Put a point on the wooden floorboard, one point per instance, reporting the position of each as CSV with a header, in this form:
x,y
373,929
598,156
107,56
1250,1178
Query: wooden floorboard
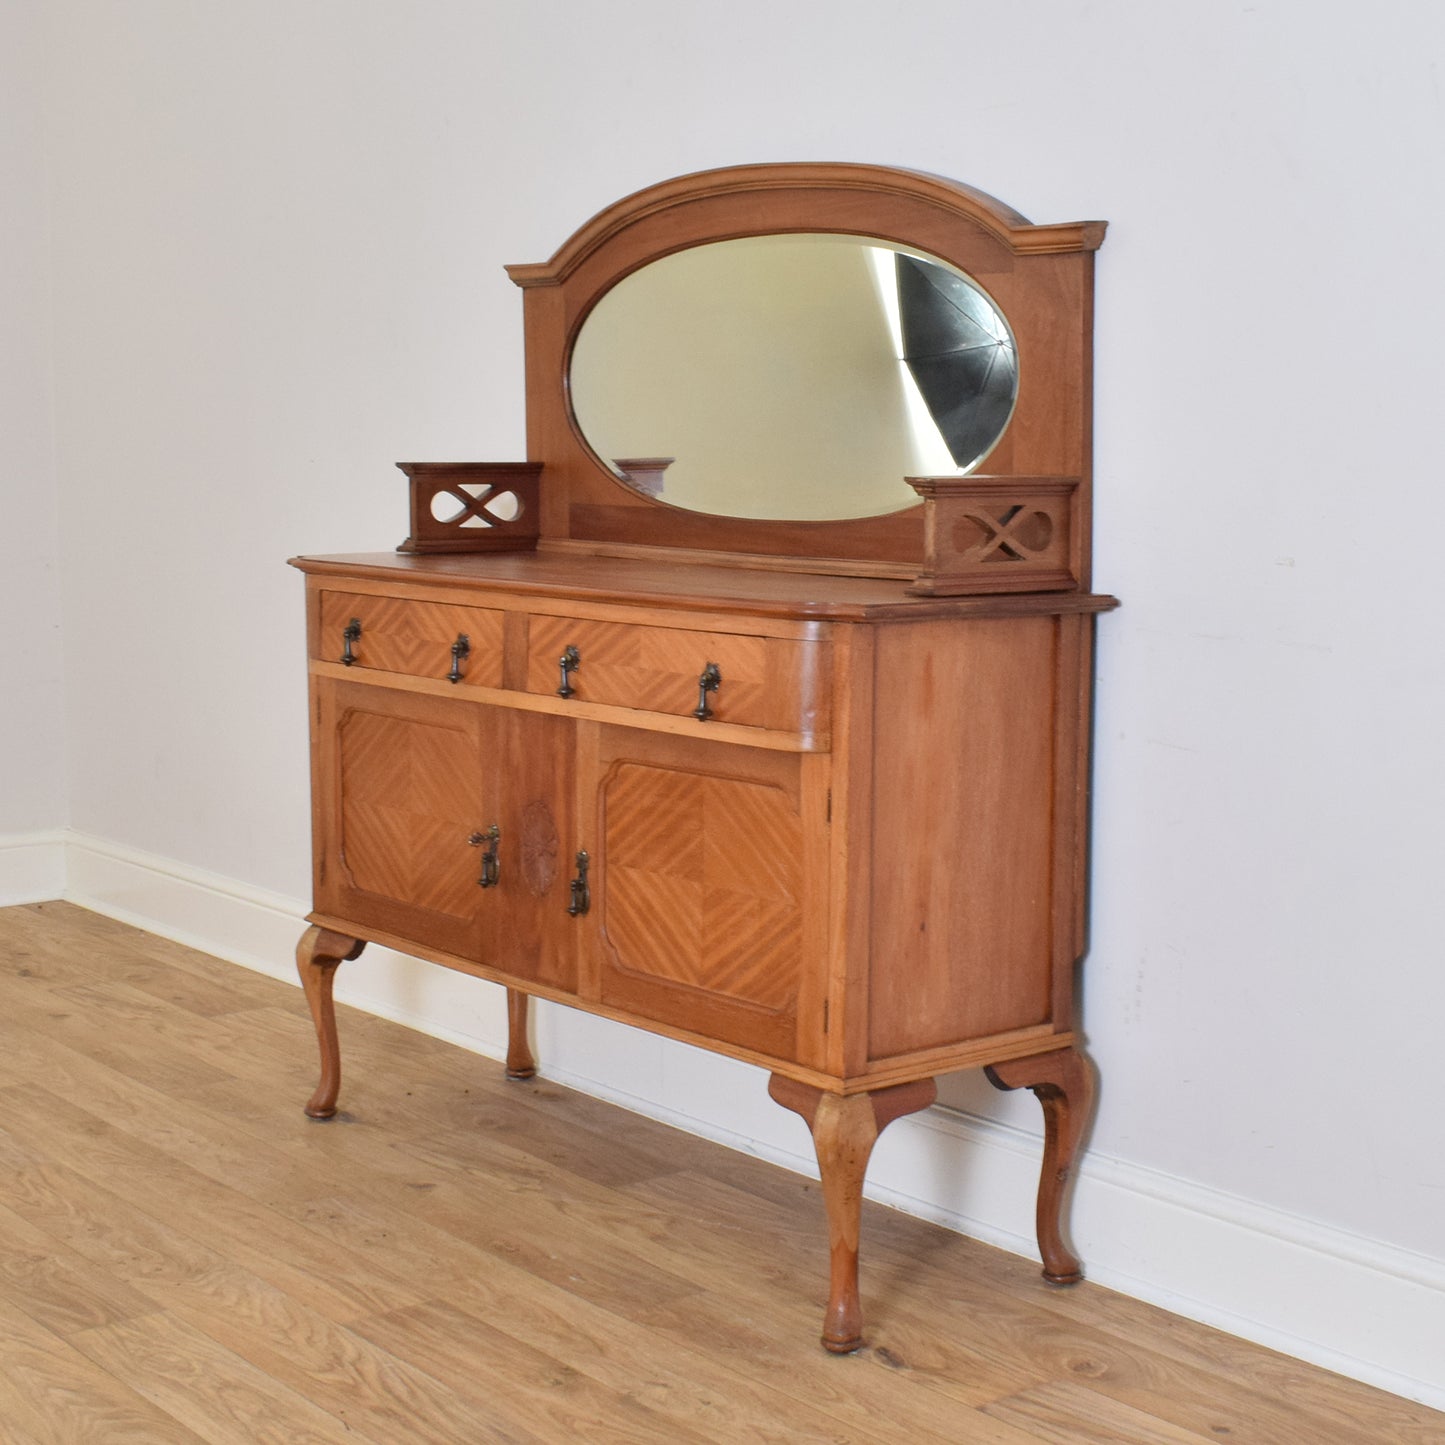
x,y
185,1257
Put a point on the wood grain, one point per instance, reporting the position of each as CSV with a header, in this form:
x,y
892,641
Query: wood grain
x,y
695,592
403,635
961,943
1041,277
183,1372
1068,1414
400,788
766,682
184,1257
52,1392
844,1130
1063,1082
699,886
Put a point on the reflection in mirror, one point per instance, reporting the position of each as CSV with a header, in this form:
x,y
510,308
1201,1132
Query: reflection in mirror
x,y
960,354
792,376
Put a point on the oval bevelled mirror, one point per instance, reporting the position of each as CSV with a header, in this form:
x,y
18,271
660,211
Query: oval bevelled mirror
x,y
797,376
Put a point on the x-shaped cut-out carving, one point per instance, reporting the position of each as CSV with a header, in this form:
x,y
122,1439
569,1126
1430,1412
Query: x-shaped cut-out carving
x,y
1002,534
475,509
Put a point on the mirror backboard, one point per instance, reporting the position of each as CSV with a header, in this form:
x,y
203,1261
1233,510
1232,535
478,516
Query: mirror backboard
x,y
620,479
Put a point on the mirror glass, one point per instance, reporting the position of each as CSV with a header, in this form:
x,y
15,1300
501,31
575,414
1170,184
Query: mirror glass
x,y
793,377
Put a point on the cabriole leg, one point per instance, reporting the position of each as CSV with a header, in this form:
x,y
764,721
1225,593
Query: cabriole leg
x,y
844,1130
520,1063
1063,1082
317,955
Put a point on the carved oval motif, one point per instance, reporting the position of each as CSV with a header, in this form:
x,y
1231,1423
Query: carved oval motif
x,y
1013,537
539,848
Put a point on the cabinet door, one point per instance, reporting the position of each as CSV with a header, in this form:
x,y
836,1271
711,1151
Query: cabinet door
x,y
399,791
526,928
408,789
708,886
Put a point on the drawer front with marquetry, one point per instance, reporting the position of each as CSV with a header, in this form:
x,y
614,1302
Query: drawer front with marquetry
x,y
764,682
438,640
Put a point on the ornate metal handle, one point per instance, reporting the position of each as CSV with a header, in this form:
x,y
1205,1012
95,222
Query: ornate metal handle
x,y
351,634
710,681
581,894
569,662
461,648
488,842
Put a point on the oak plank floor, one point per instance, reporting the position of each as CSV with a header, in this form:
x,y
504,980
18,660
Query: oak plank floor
x,y
185,1257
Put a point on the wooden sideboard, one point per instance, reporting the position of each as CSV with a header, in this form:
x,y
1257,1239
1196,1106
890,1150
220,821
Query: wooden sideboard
x,y
793,807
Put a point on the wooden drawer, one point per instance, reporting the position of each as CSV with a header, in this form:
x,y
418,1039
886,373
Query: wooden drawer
x,y
764,682
400,634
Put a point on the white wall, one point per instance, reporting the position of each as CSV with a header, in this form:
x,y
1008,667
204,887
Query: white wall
x,y
278,238
32,779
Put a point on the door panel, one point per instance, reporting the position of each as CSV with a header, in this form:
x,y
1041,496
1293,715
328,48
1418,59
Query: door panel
x,y
408,786
706,906
400,790
526,929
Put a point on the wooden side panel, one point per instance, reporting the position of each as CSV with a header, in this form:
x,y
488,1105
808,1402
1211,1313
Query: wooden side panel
x,y
1071,810
850,842
963,813
707,903
400,790
400,634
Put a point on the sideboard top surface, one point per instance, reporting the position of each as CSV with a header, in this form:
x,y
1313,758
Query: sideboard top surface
x,y
691,586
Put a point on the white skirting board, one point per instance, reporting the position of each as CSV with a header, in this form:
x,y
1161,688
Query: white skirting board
x,y
32,866
1363,1308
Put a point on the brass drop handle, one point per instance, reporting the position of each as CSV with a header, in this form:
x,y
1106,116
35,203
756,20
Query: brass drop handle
x,y
581,894
461,649
350,635
488,842
569,662
710,681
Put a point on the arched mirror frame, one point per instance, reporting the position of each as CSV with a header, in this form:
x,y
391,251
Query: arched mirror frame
x,y
1041,277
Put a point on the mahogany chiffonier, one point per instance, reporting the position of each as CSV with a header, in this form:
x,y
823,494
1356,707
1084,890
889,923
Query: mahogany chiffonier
x,y
753,709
